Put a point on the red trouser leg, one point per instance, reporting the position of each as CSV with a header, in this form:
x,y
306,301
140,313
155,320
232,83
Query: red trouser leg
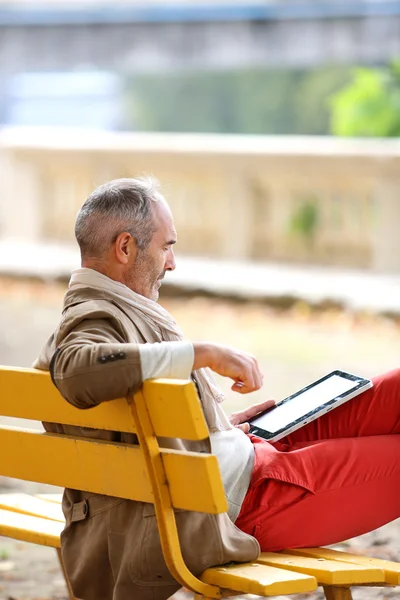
x,y
331,480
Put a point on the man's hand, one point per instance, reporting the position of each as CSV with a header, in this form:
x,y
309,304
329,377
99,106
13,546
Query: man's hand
x,y
239,418
239,366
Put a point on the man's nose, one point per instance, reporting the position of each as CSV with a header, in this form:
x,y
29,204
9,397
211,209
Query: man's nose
x,y
170,263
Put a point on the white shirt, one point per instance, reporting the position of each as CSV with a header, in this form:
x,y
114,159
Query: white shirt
x,y
232,448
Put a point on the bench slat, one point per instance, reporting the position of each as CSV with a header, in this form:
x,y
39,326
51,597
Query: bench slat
x,y
30,505
56,498
174,407
327,572
391,569
111,469
262,580
30,529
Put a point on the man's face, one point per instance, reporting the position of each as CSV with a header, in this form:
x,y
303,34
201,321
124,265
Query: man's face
x,y
152,262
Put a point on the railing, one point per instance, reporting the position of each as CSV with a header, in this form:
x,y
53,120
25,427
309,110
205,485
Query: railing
x,y
310,200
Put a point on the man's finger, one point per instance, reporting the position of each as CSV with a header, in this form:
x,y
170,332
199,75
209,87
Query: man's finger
x,y
258,380
259,377
264,405
241,387
254,410
247,379
244,427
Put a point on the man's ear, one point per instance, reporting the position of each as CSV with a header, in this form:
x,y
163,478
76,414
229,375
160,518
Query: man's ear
x,y
125,248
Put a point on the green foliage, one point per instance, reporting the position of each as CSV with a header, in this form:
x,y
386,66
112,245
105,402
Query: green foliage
x,y
253,101
370,105
304,221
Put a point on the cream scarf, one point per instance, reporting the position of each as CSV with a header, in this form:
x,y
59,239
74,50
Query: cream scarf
x,y
166,329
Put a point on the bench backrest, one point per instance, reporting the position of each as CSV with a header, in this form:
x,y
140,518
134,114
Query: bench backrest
x,y
173,409
144,472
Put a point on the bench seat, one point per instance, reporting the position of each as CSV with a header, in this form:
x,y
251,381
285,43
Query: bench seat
x,y
27,528
327,572
39,520
37,506
258,579
390,568
167,478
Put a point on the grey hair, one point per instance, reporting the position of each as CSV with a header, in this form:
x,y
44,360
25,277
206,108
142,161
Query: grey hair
x,y
116,206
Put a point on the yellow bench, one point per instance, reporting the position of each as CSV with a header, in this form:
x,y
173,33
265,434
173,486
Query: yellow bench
x,y
166,478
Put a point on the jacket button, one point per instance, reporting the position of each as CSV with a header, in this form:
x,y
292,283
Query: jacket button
x,y
103,359
111,357
85,508
121,355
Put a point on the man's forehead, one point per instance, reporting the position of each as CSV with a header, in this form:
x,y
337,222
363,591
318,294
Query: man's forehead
x,y
163,218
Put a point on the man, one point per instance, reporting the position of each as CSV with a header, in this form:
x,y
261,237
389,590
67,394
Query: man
x,y
113,335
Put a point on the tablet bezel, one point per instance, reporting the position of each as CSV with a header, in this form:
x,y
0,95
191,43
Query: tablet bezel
x,y
361,384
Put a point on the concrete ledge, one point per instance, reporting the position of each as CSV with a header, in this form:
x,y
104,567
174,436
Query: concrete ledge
x,y
276,283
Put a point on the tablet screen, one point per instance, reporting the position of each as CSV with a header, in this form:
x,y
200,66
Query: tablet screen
x,y
304,403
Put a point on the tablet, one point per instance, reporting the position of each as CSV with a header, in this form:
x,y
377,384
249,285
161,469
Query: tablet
x,y
308,404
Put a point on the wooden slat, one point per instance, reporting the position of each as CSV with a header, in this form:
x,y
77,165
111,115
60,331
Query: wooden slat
x,y
30,529
110,468
174,407
327,572
56,498
30,505
204,478
391,569
259,579
30,394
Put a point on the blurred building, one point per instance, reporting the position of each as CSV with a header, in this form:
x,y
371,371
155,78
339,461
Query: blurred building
x,y
137,36
113,49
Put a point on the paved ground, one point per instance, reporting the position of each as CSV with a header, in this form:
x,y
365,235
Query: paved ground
x,y
294,345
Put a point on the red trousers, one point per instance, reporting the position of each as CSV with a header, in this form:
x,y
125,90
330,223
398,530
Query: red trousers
x,y
333,479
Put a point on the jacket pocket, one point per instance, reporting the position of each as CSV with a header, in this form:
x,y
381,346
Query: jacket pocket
x,y
147,565
85,554
134,548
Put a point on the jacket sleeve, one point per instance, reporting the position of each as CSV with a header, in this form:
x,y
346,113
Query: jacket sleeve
x,y
93,364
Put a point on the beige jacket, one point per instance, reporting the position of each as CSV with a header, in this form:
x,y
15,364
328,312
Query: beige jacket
x,y
110,546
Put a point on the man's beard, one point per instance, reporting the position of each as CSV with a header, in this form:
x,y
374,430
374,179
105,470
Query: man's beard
x,y
145,277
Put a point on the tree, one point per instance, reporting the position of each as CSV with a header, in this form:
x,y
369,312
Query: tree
x,y
249,101
370,105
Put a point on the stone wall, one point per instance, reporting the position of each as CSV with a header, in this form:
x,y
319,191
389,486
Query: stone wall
x,y
300,200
